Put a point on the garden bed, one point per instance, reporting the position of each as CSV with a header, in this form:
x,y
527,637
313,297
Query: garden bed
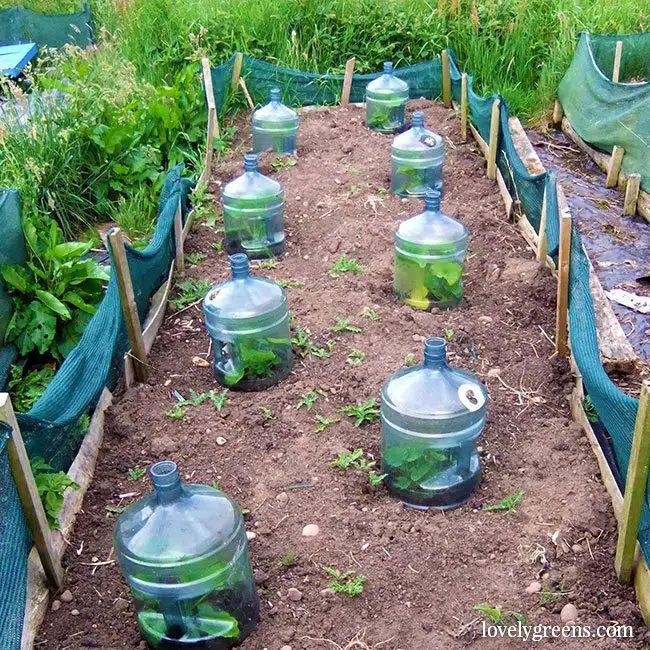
x,y
425,572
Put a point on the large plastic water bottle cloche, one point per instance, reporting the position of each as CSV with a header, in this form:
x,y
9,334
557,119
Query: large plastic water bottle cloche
x,y
275,126
253,213
247,319
386,98
431,416
184,554
430,250
417,156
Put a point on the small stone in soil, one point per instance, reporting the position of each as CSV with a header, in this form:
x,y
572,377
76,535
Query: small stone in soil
x,y
260,576
121,604
569,613
74,612
294,594
310,530
534,588
66,596
56,604
221,441
282,498
250,535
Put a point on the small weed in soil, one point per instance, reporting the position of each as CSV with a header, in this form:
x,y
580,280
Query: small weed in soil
x,y
267,412
345,265
409,360
306,346
345,583
351,460
508,504
590,409
363,412
371,314
51,485
267,264
282,162
137,473
309,399
289,559
552,597
324,423
288,283
190,291
195,258
355,357
219,400
497,615
343,325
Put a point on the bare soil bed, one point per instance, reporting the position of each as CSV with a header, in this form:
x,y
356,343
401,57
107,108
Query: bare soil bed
x,y
425,571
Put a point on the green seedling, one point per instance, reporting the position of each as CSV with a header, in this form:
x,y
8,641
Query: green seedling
x,y
287,283
195,258
309,399
508,504
355,357
267,264
345,583
282,162
219,400
352,460
497,615
289,559
343,325
376,479
345,265
215,485
371,314
190,292
410,465
222,144
256,358
51,485
354,190
267,412
382,192
552,597
137,473
306,346
448,333
409,359
203,204
26,390
324,423
217,245
590,409
116,510
363,412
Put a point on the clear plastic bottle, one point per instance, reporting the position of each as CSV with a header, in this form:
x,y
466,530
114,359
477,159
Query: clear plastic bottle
x,y
386,98
253,213
417,156
275,126
431,416
430,250
183,552
247,319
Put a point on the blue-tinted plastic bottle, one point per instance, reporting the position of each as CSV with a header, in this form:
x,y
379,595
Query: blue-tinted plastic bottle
x,y
247,319
183,552
431,417
386,98
417,156
429,254
275,127
253,213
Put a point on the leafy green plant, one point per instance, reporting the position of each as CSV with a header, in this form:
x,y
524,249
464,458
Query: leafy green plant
x,y
136,473
282,162
202,202
343,325
195,258
301,339
289,559
371,314
309,399
551,597
26,391
409,359
267,264
355,357
409,465
256,358
362,412
448,333
508,504
376,479
267,412
190,291
324,422
290,284
350,459
219,400
346,583
345,265
51,485
54,294
590,409
497,615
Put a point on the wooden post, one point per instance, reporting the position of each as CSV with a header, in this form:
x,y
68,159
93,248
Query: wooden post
x,y
564,258
27,491
614,167
129,308
463,107
446,79
347,81
558,113
617,61
494,140
635,489
178,238
632,194
213,122
244,87
236,71
542,242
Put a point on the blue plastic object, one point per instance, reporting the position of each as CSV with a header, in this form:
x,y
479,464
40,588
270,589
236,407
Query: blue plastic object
x,y
184,553
430,250
253,213
14,58
248,321
417,156
386,98
431,416
275,127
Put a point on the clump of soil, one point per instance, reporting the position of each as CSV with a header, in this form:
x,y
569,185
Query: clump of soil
x,y
424,571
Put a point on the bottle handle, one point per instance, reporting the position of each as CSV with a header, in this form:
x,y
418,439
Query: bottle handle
x,y
471,396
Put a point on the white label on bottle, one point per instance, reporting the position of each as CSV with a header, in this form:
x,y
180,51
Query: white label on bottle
x,y
471,396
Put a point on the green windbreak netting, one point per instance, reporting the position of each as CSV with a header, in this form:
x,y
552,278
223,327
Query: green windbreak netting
x,y
20,25
604,113
305,88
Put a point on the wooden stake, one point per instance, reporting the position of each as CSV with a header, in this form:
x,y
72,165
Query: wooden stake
x,y
542,243
236,71
27,491
446,79
494,140
347,81
178,238
614,168
617,61
558,113
244,87
635,489
632,194
129,308
564,258
213,122
463,107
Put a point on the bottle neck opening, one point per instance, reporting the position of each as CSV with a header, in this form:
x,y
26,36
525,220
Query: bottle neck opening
x,y
435,353
388,67
432,201
166,480
417,120
250,162
239,265
275,95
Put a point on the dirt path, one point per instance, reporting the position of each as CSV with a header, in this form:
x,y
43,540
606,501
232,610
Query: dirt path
x,y
425,572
